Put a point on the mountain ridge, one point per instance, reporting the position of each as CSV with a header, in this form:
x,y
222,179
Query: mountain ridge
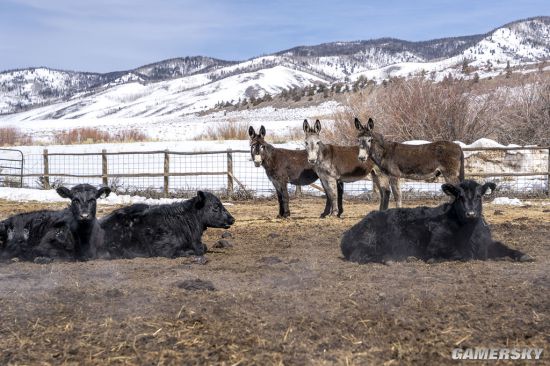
x,y
522,41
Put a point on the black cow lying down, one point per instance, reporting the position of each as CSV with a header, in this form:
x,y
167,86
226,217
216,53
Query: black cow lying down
x,y
72,233
35,234
452,231
169,230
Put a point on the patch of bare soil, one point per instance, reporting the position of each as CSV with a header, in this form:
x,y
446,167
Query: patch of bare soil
x,y
281,294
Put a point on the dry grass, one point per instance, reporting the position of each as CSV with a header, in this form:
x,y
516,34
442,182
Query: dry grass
x,y
90,135
283,296
231,130
12,136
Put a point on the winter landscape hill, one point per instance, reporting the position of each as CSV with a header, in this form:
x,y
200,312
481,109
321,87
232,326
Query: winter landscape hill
x,y
183,86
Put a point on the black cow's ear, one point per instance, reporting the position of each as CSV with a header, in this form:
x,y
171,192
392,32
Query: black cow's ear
x,y
306,126
64,192
358,124
201,198
450,190
251,132
317,127
262,131
370,124
103,191
486,186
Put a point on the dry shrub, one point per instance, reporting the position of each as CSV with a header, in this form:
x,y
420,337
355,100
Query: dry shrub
x,y
418,109
12,136
90,135
525,119
225,131
130,135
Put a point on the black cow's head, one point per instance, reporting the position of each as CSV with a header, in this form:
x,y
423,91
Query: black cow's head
x,y
83,200
257,145
467,198
213,212
17,235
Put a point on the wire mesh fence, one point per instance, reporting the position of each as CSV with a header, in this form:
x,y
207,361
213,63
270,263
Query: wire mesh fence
x,y
522,171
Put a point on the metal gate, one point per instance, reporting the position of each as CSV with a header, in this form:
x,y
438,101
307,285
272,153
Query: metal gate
x,y
12,162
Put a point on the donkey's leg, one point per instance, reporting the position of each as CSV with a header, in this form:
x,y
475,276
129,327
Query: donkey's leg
x,y
332,190
383,183
285,198
328,206
340,195
396,190
330,186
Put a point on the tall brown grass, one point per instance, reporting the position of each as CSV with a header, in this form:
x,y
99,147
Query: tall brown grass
x,y
231,130
12,136
90,135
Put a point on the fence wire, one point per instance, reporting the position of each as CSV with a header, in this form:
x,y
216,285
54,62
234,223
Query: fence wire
x,y
517,171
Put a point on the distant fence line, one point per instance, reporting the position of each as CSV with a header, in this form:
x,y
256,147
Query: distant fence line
x,y
518,170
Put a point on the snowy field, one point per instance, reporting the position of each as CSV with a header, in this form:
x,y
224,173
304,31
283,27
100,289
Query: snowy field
x,y
169,128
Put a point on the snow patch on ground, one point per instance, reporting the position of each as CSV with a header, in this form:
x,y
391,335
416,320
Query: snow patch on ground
x,y
507,201
50,195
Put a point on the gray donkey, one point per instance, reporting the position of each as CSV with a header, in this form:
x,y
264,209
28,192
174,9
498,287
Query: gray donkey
x,y
417,162
338,164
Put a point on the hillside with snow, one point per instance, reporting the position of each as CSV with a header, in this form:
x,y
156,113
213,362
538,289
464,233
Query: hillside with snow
x,y
185,86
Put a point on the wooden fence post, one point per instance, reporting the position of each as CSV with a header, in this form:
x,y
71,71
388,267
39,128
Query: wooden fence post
x,y
548,175
104,172
46,170
229,172
166,172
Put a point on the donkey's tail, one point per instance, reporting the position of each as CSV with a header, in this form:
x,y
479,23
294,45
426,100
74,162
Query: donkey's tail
x,y
461,172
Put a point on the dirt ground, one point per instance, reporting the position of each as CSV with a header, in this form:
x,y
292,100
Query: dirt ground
x,y
281,295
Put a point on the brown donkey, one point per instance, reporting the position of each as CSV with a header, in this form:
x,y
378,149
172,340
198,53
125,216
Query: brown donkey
x,y
336,165
417,162
282,166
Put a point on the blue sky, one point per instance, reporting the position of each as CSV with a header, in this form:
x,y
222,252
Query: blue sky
x,y
108,35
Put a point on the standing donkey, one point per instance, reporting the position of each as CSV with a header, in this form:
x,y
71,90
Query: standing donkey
x,y
282,166
338,164
417,162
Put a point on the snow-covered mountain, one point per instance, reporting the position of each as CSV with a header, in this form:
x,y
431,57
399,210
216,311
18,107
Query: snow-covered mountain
x,y
193,84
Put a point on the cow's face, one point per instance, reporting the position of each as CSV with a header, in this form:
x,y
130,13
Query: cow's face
x,y
83,200
257,145
213,212
364,136
312,141
16,235
468,198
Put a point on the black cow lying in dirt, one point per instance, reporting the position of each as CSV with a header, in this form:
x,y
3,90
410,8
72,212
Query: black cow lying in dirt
x,y
35,234
72,233
452,231
170,230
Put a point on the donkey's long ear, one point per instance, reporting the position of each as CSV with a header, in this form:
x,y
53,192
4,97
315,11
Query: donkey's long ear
x,y
306,126
251,132
358,124
486,186
370,124
262,131
317,127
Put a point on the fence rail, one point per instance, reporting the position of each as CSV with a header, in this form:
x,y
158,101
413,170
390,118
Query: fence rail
x,y
517,170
